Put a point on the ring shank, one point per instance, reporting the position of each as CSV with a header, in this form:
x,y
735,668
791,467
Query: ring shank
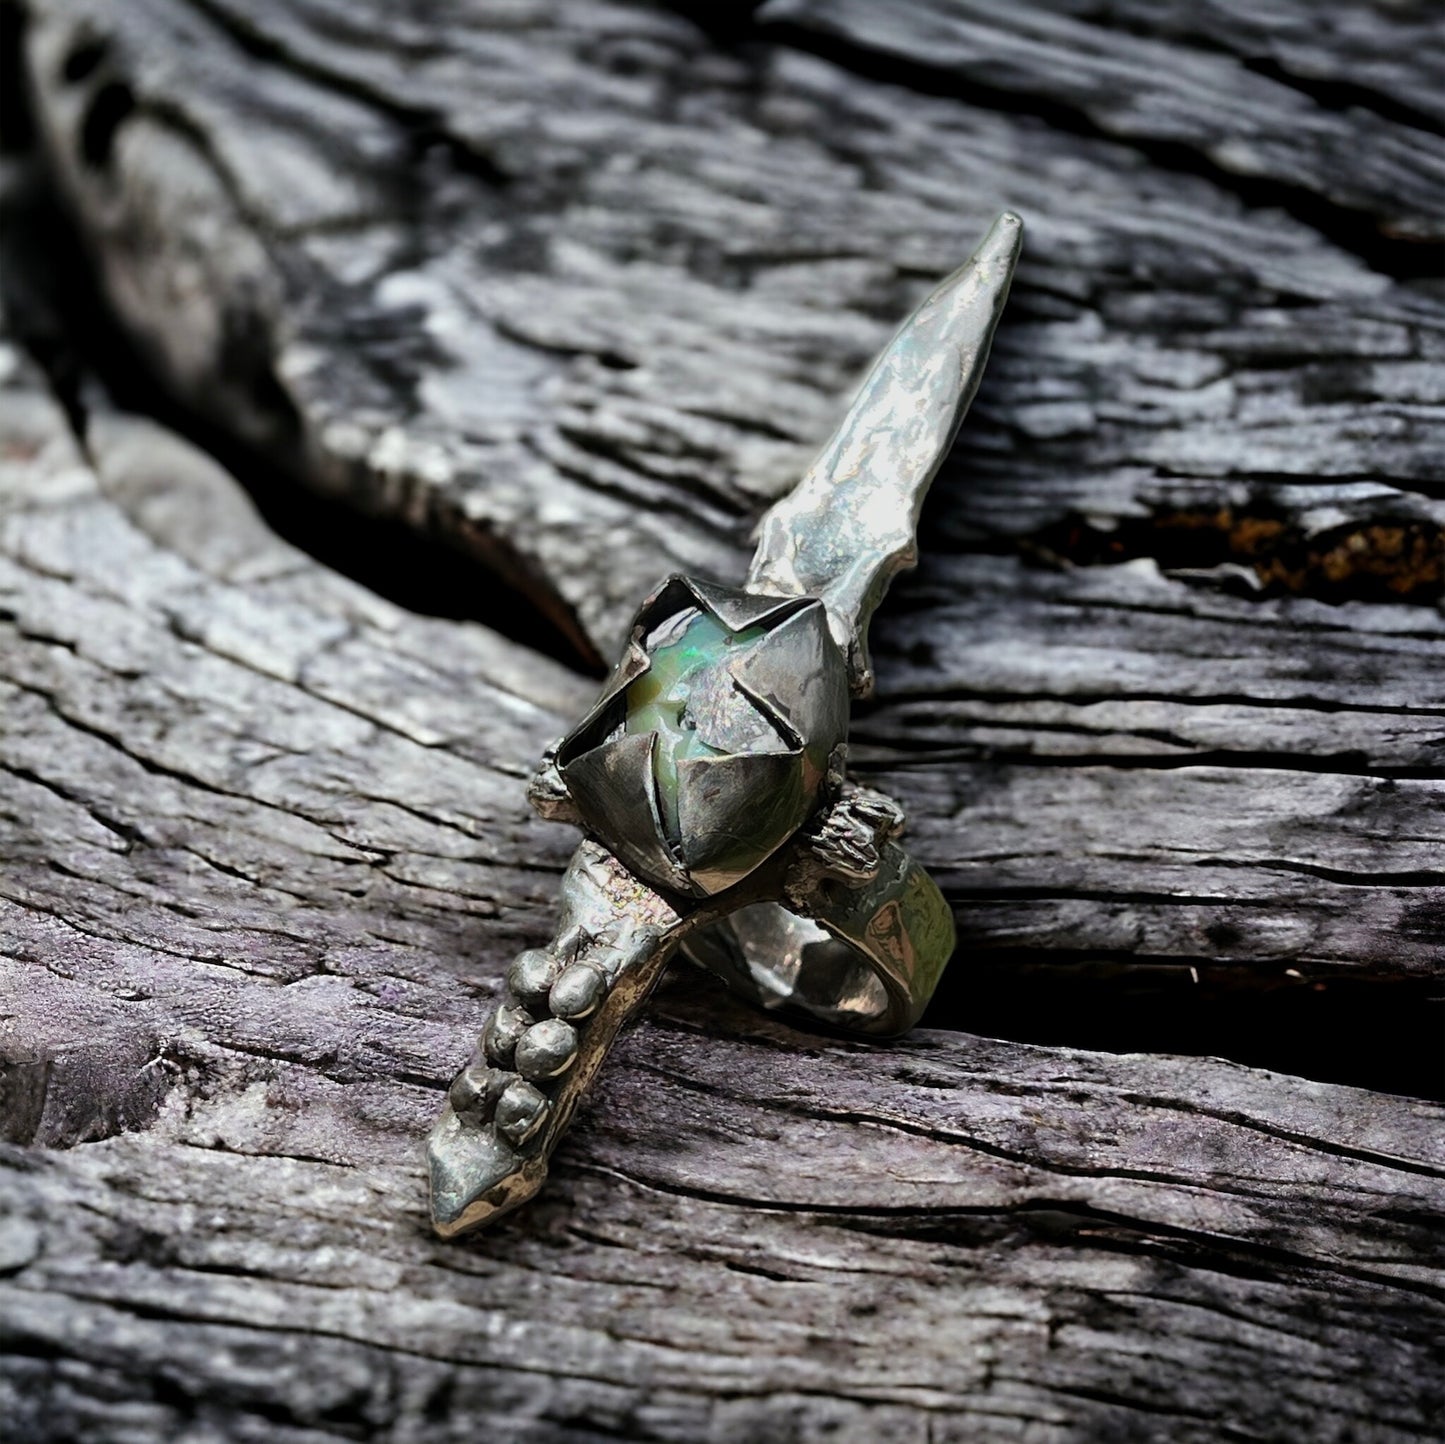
x,y
865,958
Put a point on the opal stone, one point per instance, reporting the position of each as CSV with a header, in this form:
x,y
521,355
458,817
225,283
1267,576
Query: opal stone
x,y
711,745
688,697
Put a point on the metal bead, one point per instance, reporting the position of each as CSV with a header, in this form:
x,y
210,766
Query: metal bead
x,y
476,1089
577,992
521,1111
546,1049
532,974
508,1024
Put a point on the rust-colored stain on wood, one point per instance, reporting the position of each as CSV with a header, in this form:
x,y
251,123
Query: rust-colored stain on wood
x,y
1388,560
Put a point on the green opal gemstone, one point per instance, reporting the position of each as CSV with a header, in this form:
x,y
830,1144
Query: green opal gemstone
x,y
689,699
724,742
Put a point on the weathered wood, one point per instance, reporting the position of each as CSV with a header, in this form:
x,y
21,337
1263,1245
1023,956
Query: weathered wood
x,y
265,860
576,287
1238,93
1029,1244
592,337
583,343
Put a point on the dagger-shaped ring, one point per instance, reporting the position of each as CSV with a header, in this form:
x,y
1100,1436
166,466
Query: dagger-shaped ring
x,y
709,778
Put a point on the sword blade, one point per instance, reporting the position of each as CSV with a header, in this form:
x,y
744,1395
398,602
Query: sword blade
x,y
851,524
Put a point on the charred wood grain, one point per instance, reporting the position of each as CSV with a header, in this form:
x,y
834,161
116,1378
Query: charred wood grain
x,y
570,291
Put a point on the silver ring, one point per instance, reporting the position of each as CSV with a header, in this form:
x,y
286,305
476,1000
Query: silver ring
x,y
710,780
865,958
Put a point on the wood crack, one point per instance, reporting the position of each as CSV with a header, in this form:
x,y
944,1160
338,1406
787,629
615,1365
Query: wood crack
x,y
501,316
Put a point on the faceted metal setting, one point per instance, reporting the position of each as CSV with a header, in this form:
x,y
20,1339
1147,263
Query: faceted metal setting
x,y
773,715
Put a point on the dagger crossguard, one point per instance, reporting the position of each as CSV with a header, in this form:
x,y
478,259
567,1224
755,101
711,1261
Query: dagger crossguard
x,y
709,779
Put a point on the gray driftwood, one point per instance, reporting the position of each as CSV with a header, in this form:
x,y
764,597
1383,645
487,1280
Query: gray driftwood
x,y
575,288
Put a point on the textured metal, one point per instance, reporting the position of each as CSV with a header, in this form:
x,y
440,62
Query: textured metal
x,y
851,524
751,848
490,1153
794,681
612,786
776,713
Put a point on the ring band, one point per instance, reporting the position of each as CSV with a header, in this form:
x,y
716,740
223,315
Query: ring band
x,y
866,958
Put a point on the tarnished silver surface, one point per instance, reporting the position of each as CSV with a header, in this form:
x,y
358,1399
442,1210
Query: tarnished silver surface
x,y
860,935
709,777
851,524
489,1149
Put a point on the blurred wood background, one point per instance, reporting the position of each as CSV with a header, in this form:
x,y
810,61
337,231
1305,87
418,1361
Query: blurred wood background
x,y
361,366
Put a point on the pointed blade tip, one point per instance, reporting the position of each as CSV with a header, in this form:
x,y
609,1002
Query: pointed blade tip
x,y
1004,240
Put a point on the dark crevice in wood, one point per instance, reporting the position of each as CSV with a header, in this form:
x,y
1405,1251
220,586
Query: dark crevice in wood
x,y
128,834
1380,1033
1342,95
724,22
1384,1034
1259,552
898,750
147,764
959,1135
1055,1219
83,60
111,106
1083,697
1124,896
55,308
1348,877
58,314
1355,231
17,132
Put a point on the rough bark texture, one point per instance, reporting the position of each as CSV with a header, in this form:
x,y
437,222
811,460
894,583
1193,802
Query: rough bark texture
x,y
571,289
